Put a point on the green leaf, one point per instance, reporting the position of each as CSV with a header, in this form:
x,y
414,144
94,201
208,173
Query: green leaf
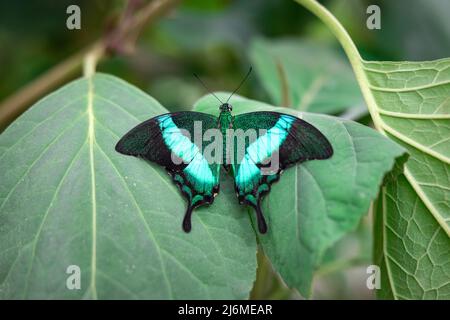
x,y
314,204
413,211
409,103
67,198
305,75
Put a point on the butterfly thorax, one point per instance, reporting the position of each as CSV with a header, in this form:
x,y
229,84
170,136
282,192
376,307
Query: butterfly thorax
x,y
225,121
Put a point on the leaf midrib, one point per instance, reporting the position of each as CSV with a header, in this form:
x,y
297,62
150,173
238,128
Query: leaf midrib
x,y
311,92
91,141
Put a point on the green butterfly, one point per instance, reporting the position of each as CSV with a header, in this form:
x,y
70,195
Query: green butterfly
x,y
169,140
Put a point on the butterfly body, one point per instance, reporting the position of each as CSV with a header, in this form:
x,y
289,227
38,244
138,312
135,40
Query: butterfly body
x,y
225,123
256,146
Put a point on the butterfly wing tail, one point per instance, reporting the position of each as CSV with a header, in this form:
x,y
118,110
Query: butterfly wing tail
x,y
262,225
187,219
256,204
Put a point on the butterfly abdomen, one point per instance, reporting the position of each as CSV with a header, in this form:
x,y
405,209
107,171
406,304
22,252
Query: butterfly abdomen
x,y
225,123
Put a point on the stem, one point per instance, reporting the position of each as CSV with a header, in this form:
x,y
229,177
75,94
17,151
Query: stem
x,y
354,113
18,102
263,274
285,100
91,59
352,53
268,285
339,265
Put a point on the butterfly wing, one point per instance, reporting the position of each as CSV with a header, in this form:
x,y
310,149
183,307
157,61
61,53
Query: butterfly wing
x,y
284,140
170,141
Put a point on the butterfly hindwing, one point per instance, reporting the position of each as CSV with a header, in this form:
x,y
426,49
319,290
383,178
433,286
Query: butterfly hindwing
x,y
170,140
283,140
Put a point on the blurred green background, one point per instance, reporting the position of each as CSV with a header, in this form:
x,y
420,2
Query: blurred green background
x,y
213,39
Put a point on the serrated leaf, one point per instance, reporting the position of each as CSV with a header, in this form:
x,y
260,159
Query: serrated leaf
x,y
305,75
67,198
408,102
413,212
314,204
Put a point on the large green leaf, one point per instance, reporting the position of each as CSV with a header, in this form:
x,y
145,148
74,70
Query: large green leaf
x,y
318,202
413,211
305,75
409,103
67,198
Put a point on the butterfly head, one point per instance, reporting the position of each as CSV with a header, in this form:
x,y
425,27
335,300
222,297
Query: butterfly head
x,y
226,107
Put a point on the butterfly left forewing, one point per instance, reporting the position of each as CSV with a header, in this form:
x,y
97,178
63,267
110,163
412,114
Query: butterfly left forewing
x,y
170,141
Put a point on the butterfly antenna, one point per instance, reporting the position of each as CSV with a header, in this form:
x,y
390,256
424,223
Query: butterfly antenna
x,y
207,89
242,82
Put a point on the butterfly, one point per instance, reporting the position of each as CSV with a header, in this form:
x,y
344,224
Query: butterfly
x,y
171,140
